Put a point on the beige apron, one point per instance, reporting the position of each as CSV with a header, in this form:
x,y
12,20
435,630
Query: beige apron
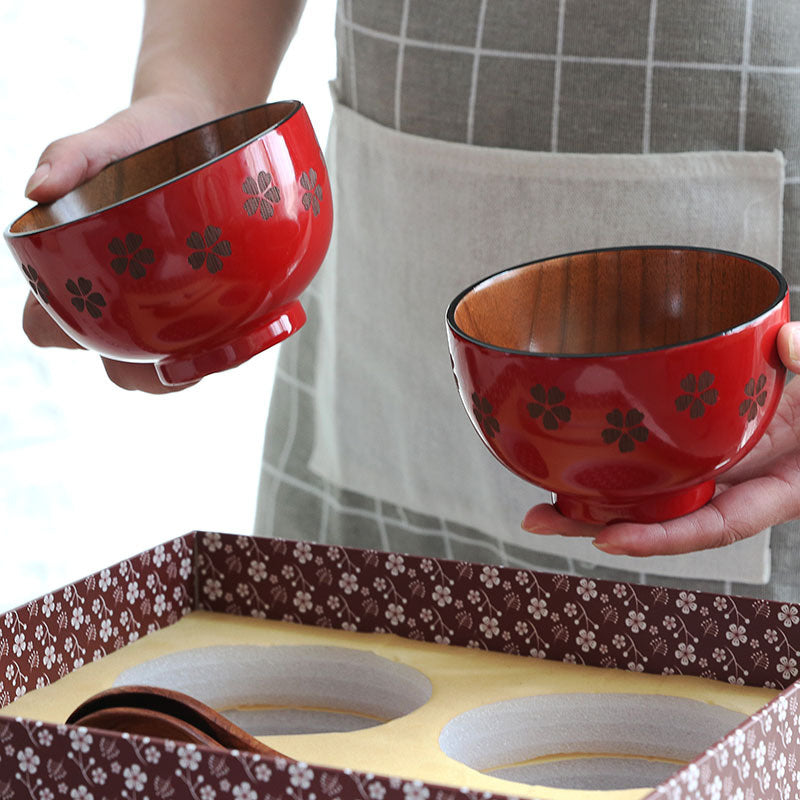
x,y
418,220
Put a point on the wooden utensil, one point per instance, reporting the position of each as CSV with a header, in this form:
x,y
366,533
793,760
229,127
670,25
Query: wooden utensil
x,y
152,711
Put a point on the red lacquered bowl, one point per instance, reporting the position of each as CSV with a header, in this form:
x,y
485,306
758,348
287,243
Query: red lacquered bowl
x,y
624,380
192,253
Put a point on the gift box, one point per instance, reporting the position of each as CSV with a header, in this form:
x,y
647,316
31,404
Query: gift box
x,y
410,678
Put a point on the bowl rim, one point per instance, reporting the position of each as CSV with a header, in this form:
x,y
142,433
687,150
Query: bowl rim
x,y
783,290
297,105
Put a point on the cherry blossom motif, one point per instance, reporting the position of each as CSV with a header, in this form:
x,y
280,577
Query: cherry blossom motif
x,y
264,195
84,299
626,430
36,284
312,196
483,411
697,394
130,255
208,249
755,396
548,404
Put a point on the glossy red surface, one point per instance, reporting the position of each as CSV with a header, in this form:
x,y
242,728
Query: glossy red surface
x,y
199,273
635,436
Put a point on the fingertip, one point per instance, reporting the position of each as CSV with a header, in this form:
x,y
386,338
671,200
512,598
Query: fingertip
x,y
35,185
789,345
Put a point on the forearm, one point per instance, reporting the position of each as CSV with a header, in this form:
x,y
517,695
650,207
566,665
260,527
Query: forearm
x,y
222,52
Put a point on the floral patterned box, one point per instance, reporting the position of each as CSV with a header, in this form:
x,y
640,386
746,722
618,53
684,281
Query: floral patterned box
x,y
551,616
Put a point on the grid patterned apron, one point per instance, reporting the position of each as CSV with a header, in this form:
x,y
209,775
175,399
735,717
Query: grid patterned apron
x,y
638,77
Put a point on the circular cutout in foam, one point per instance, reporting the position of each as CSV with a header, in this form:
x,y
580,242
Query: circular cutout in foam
x,y
289,689
633,740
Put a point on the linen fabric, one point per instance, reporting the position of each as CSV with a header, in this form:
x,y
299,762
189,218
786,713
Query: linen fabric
x,y
520,86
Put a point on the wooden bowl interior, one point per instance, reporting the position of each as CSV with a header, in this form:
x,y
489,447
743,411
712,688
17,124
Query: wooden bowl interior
x,y
154,166
616,301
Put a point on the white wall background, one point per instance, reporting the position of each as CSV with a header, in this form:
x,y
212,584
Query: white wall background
x,y
89,473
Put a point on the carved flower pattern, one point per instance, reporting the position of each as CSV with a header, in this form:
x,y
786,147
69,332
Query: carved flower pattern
x,y
548,404
626,430
482,409
84,299
38,286
313,192
698,394
264,195
130,255
208,249
755,396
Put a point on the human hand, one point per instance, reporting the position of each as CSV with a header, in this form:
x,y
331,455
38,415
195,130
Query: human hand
x,y
762,490
68,162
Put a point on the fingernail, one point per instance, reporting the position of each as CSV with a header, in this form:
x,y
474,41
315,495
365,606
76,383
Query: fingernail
x,y
38,178
608,547
541,530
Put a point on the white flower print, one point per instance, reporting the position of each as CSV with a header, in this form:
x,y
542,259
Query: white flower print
x,y
489,627
99,776
106,630
263,772
152,755
441,596
620,590
45,738
586,640
720,603
719,655
80,740
686,602
789,615
415,790
160,605
77,617
376,791
685,653
395,613
787,667
189,758
28,760
738,742
212,588
636,621
257,570
302,552
537,608
759,753
185,569
303,601
586,589
208,793
736,634
213,542
395,564
81,793
244,791
19,644
490,577
300,775
133,592
159,555
49,603
348,583
135,779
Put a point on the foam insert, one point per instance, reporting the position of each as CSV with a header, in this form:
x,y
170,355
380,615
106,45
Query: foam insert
x,y
491,722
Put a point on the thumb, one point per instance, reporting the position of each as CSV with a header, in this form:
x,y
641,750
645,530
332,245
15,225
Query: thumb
x,y
789,345
68,162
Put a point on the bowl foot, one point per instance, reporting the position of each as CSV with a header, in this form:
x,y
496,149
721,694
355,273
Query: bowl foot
x,y
653,508
180,369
